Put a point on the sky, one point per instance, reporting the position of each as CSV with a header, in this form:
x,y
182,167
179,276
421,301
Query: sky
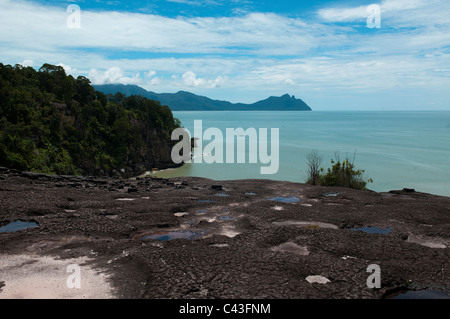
x,y
333,54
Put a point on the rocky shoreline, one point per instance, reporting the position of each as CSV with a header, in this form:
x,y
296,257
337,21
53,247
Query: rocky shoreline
x,y
231,239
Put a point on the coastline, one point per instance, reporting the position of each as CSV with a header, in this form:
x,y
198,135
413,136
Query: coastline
x,y
393,147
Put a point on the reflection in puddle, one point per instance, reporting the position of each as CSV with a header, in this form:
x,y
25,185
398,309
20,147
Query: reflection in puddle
x,y
373,230
420,294
226,218
288,199
174,234
205,201
222,195
202,211
251,194
17,226
331,194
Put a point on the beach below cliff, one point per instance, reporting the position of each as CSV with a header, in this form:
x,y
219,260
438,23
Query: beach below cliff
x,y
196,238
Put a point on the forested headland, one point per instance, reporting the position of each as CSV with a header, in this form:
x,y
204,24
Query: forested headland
x,y
53,123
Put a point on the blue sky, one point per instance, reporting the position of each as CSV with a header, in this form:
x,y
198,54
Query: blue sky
x,y
245,50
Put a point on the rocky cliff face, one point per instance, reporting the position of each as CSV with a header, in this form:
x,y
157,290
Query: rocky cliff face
x,y
155,152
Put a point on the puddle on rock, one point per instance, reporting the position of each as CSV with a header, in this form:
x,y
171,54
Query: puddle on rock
x,y
226,218
222,195
419,294
205,201
373,230
287,199
202,211
17,226
171,235
250,193
331,194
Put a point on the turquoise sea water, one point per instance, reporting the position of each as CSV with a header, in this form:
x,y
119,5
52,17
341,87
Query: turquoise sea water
x,y
396,149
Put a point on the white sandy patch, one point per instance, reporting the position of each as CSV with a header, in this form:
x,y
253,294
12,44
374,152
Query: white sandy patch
x,y
317,280
228,231
427,241
43,277
277,207
181,214
348,257
290,247
299,223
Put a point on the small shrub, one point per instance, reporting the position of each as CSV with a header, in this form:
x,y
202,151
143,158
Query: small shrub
x,y
341,173
314,161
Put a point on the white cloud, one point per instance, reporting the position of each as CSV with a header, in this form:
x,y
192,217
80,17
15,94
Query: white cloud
x,y
151,78
401,4
27,62
155,81
259,33
150,73
257,51
68,69
394,10
196,2
289,81
112,75
343,14
190,79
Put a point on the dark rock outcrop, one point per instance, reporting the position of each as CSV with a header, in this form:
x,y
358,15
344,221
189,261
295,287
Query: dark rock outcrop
x,y
235,246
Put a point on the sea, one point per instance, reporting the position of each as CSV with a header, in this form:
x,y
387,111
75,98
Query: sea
x,y
395,149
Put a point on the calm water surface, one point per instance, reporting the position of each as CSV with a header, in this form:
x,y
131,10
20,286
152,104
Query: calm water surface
x,y
396,149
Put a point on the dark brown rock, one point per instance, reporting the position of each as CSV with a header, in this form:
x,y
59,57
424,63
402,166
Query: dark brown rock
x,y
239,256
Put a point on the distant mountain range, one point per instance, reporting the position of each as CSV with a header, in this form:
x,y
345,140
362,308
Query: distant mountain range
x,y
186,101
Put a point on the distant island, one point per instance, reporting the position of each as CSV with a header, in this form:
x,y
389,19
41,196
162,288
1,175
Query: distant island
x,y
186,101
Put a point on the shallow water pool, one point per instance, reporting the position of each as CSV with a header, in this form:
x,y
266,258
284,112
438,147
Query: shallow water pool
x,y
421,294
373,230
17,226
174,234
287,199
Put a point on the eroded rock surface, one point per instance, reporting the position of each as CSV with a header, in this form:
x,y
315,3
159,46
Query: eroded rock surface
x,y
249,246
